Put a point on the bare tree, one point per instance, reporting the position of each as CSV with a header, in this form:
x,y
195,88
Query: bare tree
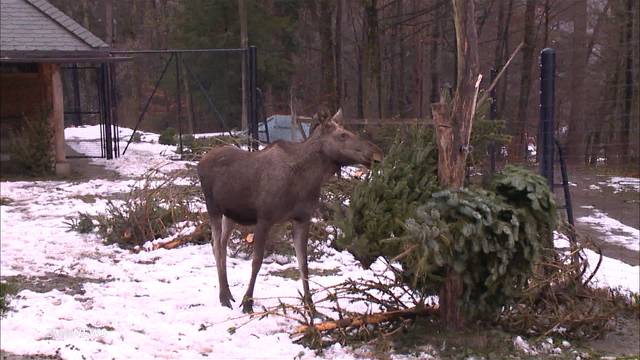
x,y
518,141
453,132
327,64
244,44
576,141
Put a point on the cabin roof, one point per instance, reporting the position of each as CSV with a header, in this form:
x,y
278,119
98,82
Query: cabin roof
x,y
36,30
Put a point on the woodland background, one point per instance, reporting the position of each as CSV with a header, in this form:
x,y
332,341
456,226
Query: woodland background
x,y
383,59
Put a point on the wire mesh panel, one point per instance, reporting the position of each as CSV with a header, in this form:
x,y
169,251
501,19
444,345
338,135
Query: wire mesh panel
x,y
181,92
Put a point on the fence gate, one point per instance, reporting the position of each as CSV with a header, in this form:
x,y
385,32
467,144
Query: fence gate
x,y
91,129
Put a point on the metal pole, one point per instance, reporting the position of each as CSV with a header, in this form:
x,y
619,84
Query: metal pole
x,y
106,108
565,185
114,110
253,95
179,102
493,115
547,101
100,109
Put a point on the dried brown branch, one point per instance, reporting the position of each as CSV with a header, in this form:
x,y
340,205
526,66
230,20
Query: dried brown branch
x,y
370,319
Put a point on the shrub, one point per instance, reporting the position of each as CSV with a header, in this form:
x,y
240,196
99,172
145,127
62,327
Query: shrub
x,y
148,212
83,224
31,148
168,136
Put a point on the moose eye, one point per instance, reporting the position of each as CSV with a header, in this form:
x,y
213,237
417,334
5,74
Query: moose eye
x,y
344,136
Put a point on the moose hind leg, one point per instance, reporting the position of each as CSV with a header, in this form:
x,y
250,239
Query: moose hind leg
x,y
259,239
220,257
300,240
227,228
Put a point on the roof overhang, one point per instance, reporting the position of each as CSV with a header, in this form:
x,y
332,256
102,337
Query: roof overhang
x,y
60,56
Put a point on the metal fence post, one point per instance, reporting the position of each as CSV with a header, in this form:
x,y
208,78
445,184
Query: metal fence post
x,y
547,101
179,103
106,94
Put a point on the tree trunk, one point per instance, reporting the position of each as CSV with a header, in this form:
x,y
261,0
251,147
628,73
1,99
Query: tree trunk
x,y
628,85
244,44
108,22
519,138
188,101
434,57
453,131
502,103
394,74
575,147
327,65
360,82
338,53
371,60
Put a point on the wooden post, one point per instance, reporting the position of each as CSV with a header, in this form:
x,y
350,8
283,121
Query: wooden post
x,y
453,133
53,91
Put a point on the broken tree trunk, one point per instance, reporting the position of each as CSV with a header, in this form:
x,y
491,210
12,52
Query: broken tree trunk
x,y
453,132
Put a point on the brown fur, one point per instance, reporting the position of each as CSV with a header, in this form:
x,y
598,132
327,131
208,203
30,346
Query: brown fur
x,y
280,183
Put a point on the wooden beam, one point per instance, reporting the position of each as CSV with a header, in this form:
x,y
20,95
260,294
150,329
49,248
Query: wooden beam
x,y
387,121
54,98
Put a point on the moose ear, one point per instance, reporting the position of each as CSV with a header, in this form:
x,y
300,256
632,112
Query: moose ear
x,y
337,118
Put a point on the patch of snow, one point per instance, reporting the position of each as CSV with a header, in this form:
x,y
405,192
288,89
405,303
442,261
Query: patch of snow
x,y
620,184
594,187
216,134
613,273
140,156
522,345
615,231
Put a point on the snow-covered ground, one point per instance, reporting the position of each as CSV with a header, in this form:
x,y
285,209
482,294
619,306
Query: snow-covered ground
x,y
161,303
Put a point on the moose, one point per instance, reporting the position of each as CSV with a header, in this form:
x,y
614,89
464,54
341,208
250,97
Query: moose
x,y
277,184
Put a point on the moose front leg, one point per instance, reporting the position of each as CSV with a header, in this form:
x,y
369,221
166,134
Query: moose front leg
x,y
259,239
300,240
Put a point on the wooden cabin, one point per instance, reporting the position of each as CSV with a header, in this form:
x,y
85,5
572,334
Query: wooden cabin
x,y
35,40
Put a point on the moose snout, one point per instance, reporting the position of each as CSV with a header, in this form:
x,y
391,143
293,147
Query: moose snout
x,y
374,155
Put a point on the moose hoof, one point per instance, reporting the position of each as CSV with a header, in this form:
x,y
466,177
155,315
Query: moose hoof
x,y
247,306
225,300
